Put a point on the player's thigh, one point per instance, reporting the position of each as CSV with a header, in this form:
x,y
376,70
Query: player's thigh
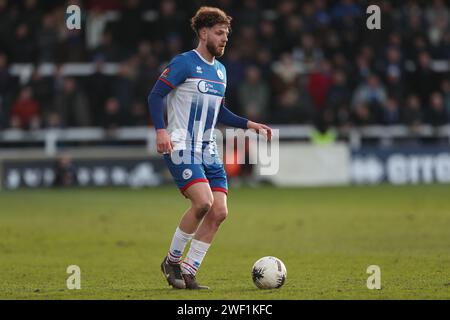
x,y
200,195
217,177
184,173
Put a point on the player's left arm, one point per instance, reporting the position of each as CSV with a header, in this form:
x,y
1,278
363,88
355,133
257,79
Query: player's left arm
x,y
228,118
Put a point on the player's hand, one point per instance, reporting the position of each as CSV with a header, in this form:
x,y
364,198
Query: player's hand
x,y
261,129
163,143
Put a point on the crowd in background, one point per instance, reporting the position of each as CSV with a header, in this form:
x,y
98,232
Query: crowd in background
x,y
290,62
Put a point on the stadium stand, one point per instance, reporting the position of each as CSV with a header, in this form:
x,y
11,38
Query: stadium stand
x,y
301,62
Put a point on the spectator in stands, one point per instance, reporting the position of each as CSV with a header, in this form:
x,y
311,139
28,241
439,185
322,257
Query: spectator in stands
x,y
438,17
445,87
138,114
73,46
414,25
112,117
267,37
362,115
308,54
65,172
31,15
249,15
321,13
361,70
264,60
235,75
289,107
392,61
113,5
332,47
124,83
394,83
72,105
286,74
98,89
339,92
319,82
7,86
322,133
436,110
338,99
247,42
345,9
42,89
309,20
424,81
291,37
129,28
436,10
52,120
391,112
147,73
108,49
7,21
173,45
285,9
169,20
47,39
371,92
285,40
443,50
254,95
343,117
3,75
3,116
25,113
23,48
412,114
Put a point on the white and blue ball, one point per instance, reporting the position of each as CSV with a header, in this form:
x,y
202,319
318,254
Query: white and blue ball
x,y
269,273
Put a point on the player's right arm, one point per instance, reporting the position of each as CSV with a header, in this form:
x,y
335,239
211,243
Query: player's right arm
x,y
174,74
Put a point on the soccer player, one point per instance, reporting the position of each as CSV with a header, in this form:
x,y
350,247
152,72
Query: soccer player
x,y
194,83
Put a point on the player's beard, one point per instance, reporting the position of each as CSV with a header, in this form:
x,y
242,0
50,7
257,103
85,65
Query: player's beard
x,y
213,50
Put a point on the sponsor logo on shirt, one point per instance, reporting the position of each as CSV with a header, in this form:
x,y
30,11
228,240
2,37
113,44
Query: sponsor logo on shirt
x,y
209,87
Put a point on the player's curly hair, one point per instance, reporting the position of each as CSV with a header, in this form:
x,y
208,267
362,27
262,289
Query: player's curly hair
x,y
209,17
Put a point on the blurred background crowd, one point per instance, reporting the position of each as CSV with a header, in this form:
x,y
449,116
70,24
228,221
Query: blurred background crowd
x,y
288,62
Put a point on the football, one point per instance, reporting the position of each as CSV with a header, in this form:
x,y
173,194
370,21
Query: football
x,y
269,273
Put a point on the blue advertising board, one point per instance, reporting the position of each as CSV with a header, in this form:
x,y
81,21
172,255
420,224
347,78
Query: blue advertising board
x,y
401,165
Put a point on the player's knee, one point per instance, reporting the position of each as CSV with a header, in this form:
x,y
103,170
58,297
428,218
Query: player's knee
x,y
220,214
202,207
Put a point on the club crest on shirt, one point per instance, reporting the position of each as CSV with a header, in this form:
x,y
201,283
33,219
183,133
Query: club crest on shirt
x,y
220,74
187,173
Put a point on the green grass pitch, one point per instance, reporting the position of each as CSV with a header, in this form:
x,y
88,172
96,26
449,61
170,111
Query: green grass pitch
x,y
327,237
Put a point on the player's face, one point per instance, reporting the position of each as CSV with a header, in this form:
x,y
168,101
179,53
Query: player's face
x,y
217,39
